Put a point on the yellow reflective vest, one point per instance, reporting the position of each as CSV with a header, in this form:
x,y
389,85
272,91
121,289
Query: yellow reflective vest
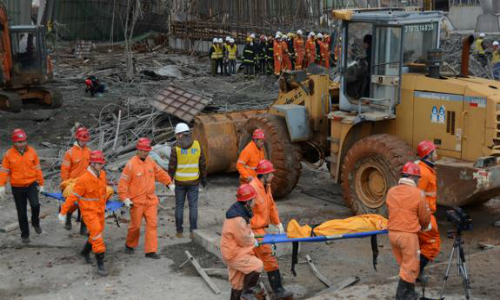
x,y
188,163
232,51
217,53
479,46
496,57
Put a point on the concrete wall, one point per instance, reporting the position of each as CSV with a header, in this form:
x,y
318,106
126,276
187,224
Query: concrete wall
x,y
464,17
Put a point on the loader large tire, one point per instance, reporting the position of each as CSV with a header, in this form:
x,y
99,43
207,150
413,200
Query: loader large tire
x,y
371,167
284,155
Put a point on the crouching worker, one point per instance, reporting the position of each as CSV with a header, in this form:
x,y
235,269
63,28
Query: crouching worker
x,y
237,244
91,194
265,212
408,214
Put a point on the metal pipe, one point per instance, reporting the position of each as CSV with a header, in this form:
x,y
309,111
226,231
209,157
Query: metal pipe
x,y
466,44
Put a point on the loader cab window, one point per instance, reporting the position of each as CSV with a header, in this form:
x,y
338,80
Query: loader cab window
x,y
358,44
418,39
25,49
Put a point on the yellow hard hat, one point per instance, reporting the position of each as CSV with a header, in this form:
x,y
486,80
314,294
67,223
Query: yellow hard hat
x,y
249,39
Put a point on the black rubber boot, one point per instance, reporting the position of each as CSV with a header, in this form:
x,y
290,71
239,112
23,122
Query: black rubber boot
x,y
68,221
423,263
401,291
277,286
83,228
235,294
411,294
249,284
86,252
101,270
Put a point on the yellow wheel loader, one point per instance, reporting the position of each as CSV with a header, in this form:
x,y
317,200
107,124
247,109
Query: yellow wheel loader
x,y
366,125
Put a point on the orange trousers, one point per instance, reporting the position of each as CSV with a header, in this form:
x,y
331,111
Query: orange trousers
x,y
430,241
265,253
95,227
406,251
287,63
277,66
149,213
240,266
299,60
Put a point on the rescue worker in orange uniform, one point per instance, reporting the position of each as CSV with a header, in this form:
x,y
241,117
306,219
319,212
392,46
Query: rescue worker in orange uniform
x,y
90,194
408,214
265,212
21,166
75,163
250,157
137,191
237,244
278,54
324,52
286,59
430,241
310,49
300,50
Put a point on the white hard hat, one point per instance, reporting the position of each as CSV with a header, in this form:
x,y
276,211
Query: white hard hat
x,y
482,34
279,33
299,32
231,40
312,33
220,40
252,35
228,38
278,36
181,127
320,36
495,43
215,40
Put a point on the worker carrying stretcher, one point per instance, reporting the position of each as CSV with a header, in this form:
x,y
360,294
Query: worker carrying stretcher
x,y
250,157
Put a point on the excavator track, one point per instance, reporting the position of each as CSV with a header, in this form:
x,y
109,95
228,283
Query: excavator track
x,y
46,96
10,101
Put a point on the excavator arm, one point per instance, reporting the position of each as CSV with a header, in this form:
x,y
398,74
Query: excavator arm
x,y
5,47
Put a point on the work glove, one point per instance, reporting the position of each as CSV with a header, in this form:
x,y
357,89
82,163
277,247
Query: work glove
x,y
128,203
2,192
428,228
281,230
41,189
62,218
203,181
171,187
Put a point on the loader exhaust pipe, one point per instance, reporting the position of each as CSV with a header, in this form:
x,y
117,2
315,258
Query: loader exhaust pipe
x,y
466,44
434,60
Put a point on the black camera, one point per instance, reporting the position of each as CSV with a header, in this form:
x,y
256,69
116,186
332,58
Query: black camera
x,y
460,218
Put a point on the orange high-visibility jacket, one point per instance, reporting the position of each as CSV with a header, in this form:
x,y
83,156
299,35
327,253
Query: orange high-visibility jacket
x,y
287,63
265,211
237,239
278,57
22,169
408,210
300,52
138,181
90,192
75,162
249,159
324,50
310,51
428,184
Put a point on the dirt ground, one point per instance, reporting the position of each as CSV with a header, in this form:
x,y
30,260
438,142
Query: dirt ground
x,y
50,267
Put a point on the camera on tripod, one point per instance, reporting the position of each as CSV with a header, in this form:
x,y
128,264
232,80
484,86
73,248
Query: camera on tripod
x,y
460,218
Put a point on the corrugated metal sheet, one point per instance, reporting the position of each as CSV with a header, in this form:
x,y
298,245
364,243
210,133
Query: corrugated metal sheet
x,y
19,11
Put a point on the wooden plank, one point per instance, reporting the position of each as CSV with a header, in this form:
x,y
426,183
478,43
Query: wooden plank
x,y
343,284
316,273
202,273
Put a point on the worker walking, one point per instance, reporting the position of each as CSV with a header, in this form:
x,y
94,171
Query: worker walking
x,y
265,213
300,50
136,189
286,55
291,50
250,157
75,163
220,56
278,54
408,214
430,241
270,55
495,60
226,56
213,53
310,49
262,54
91,194
237,244
188,168
480,49
249,59
232,52
21,166
324,52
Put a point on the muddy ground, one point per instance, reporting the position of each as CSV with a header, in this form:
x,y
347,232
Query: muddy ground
x,y
51,268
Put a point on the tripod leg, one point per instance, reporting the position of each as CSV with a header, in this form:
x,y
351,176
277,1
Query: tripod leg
x,y
463,272
447,270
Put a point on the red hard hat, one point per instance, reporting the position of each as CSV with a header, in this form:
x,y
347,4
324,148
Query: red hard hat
x,y
265,167
425,148
88,82
97,157
82,134
144,144
19,135
411,169
245,193
258,134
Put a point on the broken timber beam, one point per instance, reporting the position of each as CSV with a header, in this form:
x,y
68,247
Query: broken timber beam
x,y
316,273
343,284
202,273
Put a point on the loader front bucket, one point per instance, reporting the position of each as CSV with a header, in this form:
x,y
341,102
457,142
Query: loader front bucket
x,y
465,183
219,136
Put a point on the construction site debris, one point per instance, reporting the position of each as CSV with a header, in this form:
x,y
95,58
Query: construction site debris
x,y
180,103
202,273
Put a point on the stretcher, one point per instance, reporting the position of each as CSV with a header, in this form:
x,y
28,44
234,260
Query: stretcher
x,y
111,206
272,239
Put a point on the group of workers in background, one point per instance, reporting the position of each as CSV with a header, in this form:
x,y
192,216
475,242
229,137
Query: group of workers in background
x,y
271,54
482,52
413,231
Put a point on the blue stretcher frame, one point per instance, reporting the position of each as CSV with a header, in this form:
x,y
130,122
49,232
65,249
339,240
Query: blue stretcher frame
x,y
282,238
111,206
